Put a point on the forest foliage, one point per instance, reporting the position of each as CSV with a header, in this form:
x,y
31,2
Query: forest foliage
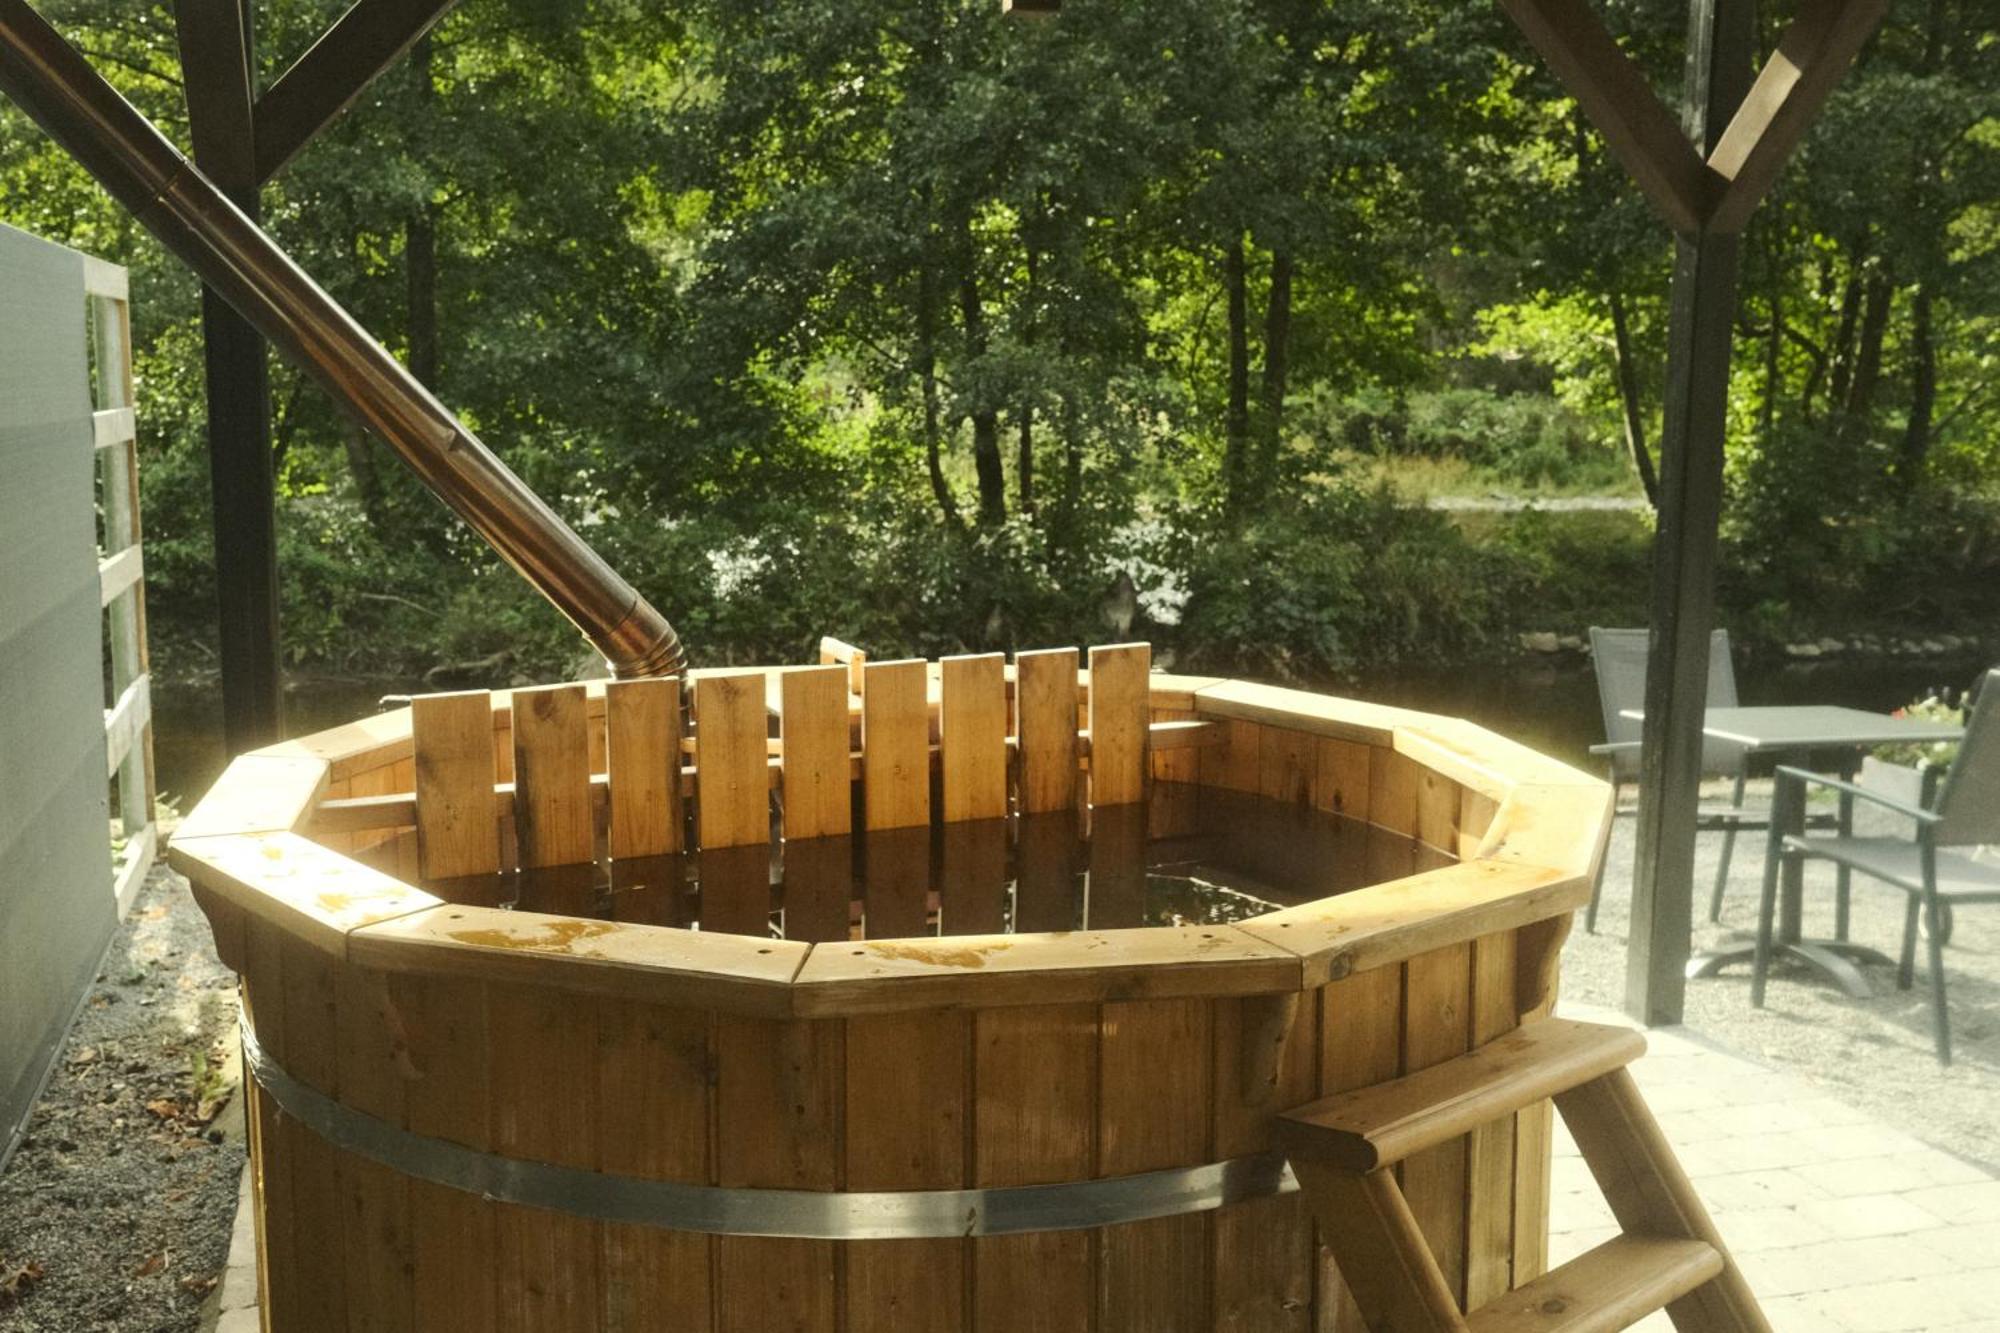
x,y
938,330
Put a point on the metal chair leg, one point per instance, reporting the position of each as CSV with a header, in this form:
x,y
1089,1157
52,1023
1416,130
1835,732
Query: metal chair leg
x,y
1906,965
1728,847
1940,1015
1767,907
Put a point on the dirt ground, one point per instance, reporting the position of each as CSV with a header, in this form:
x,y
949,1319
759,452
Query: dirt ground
x,y
1873,1054
115,1211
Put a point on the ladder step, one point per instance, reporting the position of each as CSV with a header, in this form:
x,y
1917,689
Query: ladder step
x,y
1611,1287
1373,1127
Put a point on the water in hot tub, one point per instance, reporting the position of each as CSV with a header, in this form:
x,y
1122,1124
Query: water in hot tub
x,y
1188,855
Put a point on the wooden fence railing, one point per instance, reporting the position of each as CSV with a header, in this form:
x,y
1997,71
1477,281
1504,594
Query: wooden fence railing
x,y
121,573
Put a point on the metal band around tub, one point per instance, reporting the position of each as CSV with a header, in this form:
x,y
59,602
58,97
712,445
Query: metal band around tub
x,y
810,1214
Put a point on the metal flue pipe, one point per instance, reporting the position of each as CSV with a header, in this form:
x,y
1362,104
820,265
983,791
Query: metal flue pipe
x,y
55,85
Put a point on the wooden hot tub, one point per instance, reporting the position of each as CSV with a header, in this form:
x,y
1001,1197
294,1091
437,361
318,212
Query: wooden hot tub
x,y
467,1116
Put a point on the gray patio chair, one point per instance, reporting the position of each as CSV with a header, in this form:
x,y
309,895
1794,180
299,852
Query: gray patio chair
x,y
1932,867
1619,658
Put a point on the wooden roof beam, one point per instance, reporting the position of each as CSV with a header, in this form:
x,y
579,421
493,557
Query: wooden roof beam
x,y
1801,74
335,71
215,63
1640,132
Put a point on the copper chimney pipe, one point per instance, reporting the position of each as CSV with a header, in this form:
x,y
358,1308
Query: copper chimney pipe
x,y
55,85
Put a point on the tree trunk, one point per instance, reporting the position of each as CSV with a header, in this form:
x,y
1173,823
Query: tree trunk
x,y
420,248
1923,386
1868,354
986,462
1277,365
1842,373
1628,398
1774,345
1236,423
927,375
1024,459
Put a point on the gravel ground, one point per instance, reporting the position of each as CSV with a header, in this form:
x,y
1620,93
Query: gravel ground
x,y
115,1211
1873,1054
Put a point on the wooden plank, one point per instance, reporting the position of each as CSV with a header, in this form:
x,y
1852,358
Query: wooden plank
x,y
1341,783
1490,1145
105,279
552,806
1155,962
542,1048
1288,765
732,784
375,1230
318,897
1361,1044
1814,50
458,827
1437,1005
1154,1095
1438,801
1119,717
445,1031
906,1117
895,745
125,722
832,650
1265,1060
1234,765
276,1217
653,1117
140,850
320,1216
1612,1286
1377,1243
642,723
1393,780
257,794
778,1095
1303,710
117,572
1638,129
1034,1117
1476,813
1045,708
813,717
697,968
972,736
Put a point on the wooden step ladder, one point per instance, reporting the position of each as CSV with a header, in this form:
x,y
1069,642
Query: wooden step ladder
x,y
1344,1151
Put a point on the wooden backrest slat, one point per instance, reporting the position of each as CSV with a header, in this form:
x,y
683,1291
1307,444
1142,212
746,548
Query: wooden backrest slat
x,y
553,819
833,650
642,726
732,778
458,830
972,736
1045,711
813,725
1119,720
895,745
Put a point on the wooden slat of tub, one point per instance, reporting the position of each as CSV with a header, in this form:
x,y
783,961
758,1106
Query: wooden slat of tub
x,y
552,805
972,736
896,882
276,1214
1153,1109
1173,808
895,744
1489,1233
1119,717
458,827
653,1117
1438,801
1437,1000
445,1028
778,1127
376,1227
813,723
972,877
1233,765
1261,1270
1361,1044
642,723
542,1045
1287,766
906,1117
1034,1113
1392,791
1475,816
732,782
311,1056
1045,721
1341,783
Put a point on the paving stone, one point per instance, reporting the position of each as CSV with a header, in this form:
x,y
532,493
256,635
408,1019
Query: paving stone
x,y
1889,1174
1832,1265
1893,1307
1872,1215
1743,1190
1968,1245
1978,1201
1795,1314
1748,1231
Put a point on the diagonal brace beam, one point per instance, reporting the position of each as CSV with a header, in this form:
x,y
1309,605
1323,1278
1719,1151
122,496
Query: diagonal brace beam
x,y
1801,74
334,71
1640,132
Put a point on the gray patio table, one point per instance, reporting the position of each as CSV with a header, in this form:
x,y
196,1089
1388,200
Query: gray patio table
x,y
1793,733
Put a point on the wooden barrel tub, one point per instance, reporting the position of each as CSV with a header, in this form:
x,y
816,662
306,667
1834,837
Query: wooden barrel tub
x,y
467,1117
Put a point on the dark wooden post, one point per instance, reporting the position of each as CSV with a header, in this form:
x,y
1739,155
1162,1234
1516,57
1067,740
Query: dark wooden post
x,y
215,59
1699,332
